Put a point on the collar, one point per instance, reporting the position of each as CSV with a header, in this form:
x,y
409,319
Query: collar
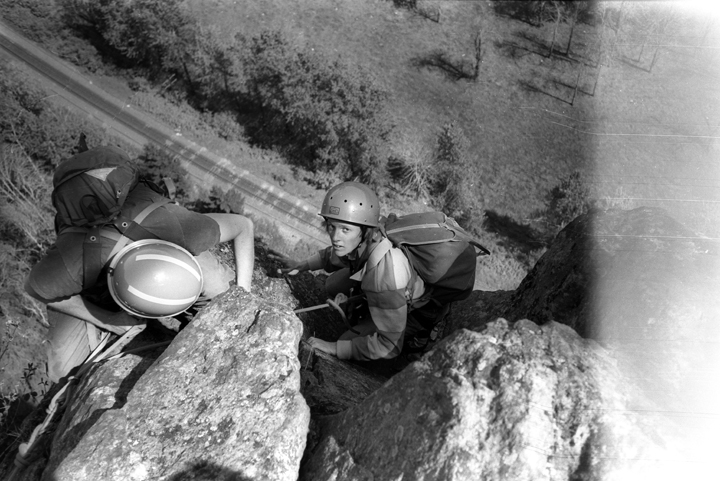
x,y
377,252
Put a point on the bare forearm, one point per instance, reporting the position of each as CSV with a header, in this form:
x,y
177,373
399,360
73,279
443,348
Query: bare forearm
x,y
239,229
244,246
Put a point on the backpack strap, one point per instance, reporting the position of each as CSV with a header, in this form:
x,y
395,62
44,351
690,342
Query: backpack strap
x,y
483,251
124,232
170,188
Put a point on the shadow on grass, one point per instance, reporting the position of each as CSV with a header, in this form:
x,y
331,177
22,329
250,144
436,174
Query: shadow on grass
x,y
635,63
556,54
527,86
515,51
521,236
453,69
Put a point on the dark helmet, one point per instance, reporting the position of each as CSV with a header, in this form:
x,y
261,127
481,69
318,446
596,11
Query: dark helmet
x,y
352,202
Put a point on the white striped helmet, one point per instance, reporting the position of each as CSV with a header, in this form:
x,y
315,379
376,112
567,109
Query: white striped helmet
x,y
154,278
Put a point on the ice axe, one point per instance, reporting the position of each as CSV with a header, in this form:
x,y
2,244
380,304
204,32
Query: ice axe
x,y
339,299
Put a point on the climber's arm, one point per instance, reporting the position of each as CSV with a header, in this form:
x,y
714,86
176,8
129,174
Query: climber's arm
x,y
239,229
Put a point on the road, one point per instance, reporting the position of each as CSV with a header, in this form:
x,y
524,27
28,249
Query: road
x,y
295,219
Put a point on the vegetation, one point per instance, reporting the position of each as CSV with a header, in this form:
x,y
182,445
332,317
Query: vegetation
x,y
566,201
326,116
452,180
481,112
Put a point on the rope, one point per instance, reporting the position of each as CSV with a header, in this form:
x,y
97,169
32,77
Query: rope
x,y
342,314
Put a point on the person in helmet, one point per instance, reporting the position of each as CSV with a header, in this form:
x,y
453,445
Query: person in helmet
x,y
79,316
362,261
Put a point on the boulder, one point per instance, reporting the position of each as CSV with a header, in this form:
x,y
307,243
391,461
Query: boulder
x,y
516,401
645,287
223,398
477,310
616,274
331,386
615,381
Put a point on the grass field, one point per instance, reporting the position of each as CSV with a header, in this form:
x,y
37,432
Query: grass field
x,y
641,136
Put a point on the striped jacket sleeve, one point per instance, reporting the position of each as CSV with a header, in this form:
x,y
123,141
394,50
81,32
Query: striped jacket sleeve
x,y
384,282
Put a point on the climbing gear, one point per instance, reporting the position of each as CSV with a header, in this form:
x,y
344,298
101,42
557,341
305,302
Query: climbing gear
x,y
121,232
154,278
352,202
90,188
89,191
441,252
339,299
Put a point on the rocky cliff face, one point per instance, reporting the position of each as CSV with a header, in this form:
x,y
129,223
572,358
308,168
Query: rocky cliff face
x,y
512,392
644,287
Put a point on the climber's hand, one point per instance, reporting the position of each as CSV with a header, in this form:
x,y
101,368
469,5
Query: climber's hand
x,y
290,267
324,346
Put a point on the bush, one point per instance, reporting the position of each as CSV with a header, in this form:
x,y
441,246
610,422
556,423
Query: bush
x,y
48,134
452,185
157,163
225,125
320,180
327,116
219,201
411,166
566,201
26,225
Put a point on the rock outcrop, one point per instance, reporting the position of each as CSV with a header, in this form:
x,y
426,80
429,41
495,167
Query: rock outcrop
x,y
516,401
613,377
645,287
226,393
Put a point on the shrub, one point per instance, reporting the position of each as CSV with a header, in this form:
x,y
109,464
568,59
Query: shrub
x,y
219,201
327,115
225,125
26,225
320,180
411,166
157,163
48,134
566,201
452,183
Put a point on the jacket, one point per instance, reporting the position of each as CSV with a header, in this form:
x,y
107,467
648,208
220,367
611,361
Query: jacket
x,y
385,277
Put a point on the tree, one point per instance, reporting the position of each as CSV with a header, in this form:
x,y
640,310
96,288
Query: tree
x,y
327,115
477,44
566,201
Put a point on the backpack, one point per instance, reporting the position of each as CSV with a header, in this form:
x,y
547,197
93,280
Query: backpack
x,y
441,252
89,191
89,188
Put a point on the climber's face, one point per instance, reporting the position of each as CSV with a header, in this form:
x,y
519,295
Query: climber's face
x,y
345,237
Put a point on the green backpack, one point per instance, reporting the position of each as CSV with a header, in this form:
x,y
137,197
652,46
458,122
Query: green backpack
x,y
441,252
